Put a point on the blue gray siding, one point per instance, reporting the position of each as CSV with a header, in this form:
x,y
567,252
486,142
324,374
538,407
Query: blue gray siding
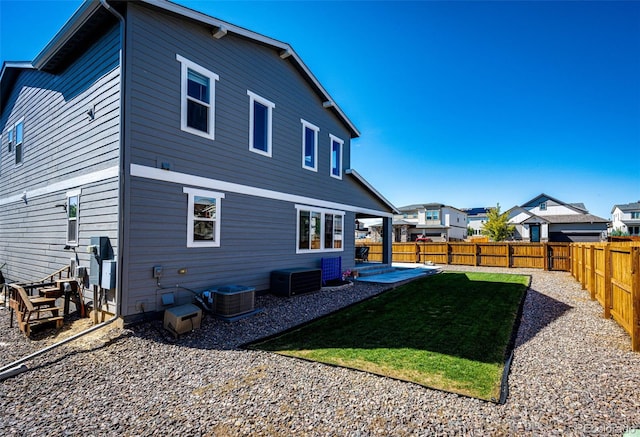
x,y
63,151
258,233
242,65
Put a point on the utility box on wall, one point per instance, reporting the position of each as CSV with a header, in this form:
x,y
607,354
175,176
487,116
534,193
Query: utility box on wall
x,y
109,270
100,250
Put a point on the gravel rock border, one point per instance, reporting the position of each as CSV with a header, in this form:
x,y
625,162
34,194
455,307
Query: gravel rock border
x,y
572,374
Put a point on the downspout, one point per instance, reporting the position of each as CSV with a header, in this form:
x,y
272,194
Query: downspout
x,y
121,173
18,367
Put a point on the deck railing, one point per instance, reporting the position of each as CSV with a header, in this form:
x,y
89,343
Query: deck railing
x,y
63,273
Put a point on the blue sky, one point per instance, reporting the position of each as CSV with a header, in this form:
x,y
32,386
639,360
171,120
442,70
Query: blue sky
x,y
464,103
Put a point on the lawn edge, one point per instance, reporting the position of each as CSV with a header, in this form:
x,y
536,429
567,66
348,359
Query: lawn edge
x,y
247,345
510,351
508,357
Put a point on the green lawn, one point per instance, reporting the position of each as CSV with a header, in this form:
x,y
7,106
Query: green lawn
x,y
449,331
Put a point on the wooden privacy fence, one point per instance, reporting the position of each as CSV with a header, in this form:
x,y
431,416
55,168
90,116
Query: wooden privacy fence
x,y
548,256
609,271
611,274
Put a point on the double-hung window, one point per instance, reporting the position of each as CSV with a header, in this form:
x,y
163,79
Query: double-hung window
x,y
19,146
260,124
336,156
73,204
203,217
197,110
309,145
319,229
15,138
432,214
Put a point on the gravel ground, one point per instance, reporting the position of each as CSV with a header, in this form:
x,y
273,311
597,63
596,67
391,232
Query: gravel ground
x,y
573,374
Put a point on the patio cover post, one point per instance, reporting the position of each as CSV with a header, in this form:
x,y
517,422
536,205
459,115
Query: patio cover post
x,y
387,237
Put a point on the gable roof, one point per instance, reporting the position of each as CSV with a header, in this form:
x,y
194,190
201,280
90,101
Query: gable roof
x,y
515,210
91,19
575,218
578,207
416,206
566,218
8,76
627,207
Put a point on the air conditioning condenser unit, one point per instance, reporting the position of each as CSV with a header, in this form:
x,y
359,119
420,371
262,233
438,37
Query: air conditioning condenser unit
x,y
233,300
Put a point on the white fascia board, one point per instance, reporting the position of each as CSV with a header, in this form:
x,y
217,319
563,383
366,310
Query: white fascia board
x,y
8,65
224,186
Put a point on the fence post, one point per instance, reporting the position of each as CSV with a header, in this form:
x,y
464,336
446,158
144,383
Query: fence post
x,y
448,253
583,270
635,299
592,272
545,254
607,281
571,259
475,254
508,255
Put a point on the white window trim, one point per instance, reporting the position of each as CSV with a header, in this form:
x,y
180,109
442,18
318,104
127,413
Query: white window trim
x,y
341,142
192,192
14,141
432,217
10,139
74,193
316,130
253,97
21,143
322,211
189,65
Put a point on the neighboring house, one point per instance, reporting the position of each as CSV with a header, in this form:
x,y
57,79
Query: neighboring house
x,y
476,218
361,230
626,218
201,153
433,221
545,218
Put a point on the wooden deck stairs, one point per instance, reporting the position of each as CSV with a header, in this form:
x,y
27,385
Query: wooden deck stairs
x,y
33,310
